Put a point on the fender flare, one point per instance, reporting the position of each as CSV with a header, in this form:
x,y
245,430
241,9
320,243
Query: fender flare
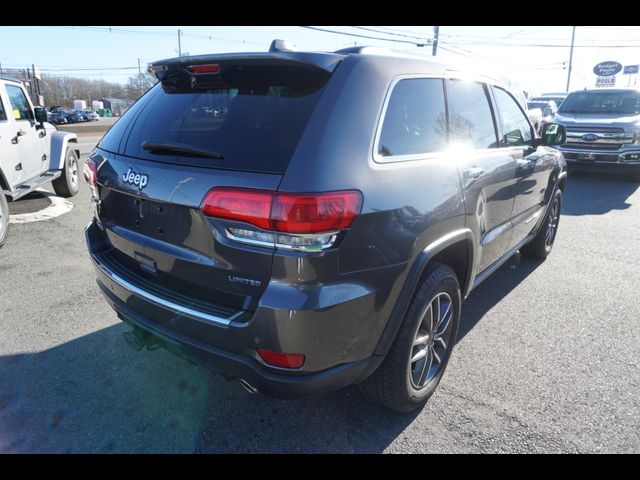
x,y
413,277
59,142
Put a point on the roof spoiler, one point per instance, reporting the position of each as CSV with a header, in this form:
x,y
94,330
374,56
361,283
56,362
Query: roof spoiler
x,y
280,50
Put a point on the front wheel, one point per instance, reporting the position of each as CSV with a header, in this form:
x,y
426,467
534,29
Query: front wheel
x,y
541,245
420,352
67,185
4,219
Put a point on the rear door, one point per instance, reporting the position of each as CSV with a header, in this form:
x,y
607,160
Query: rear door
x,y
487,172
249,115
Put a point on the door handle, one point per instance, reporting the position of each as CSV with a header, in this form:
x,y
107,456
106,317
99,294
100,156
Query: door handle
x,y
473,172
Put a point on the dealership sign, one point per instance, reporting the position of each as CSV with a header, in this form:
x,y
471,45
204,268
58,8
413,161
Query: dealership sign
x,y
606,82
607,69
629,69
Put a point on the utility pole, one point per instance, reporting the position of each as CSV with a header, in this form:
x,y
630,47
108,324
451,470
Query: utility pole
x,y
179,46
573,37
436,31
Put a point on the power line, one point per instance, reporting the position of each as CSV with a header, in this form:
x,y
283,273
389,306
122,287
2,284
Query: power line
x,y
152,32
389,33
366,36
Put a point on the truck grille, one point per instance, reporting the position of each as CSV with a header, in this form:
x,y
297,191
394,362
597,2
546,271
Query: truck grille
x,y
597,138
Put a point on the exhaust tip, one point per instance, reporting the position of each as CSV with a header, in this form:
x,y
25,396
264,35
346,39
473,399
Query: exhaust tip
x,y
248,387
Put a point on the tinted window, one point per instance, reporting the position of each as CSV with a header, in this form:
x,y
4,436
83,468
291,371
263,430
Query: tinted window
x,y
3,116
626,102
515,125
251,114
414,121
19,103
470,119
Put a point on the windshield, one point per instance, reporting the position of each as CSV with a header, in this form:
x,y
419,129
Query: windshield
x,y
625,102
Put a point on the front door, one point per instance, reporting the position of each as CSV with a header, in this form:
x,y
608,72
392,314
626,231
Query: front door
x,y
487,172
533,166
26,136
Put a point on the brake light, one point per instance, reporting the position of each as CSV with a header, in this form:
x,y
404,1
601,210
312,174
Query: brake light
x,y
284,360
285,212
213,68
90,173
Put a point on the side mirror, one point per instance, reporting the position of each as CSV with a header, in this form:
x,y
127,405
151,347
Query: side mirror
x,y
41,114
553,134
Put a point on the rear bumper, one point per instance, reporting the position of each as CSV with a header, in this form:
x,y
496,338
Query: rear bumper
x,y
227,344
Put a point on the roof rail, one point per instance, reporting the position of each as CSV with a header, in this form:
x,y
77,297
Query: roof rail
x,y
282,46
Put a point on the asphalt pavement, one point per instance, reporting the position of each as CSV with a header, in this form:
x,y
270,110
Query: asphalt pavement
x,y
546,361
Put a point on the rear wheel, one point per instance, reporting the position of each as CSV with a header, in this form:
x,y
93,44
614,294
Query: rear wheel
x,y
4,219
540,247
67,185
416,361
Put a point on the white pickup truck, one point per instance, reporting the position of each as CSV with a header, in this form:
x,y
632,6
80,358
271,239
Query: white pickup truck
x,y
32,151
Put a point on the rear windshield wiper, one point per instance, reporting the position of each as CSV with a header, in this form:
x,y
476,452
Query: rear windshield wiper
x,y
173,147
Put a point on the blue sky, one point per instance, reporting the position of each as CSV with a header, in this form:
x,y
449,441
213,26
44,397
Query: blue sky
x,y
515,54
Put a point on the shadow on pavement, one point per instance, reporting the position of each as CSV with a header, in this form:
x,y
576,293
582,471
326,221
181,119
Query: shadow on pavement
x,y
596,194
490,292
95,394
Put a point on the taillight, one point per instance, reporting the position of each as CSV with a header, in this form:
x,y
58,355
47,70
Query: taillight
x,y
90,172
294,221
248,206
317,213
284,360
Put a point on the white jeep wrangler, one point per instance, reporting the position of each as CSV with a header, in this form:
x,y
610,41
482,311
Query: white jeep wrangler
x,y
32,151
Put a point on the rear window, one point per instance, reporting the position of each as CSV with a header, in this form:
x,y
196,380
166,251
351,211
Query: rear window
x,y
253,115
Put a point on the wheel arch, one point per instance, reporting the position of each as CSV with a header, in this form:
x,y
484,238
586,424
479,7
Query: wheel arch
x,y
562,181
456,249
59,142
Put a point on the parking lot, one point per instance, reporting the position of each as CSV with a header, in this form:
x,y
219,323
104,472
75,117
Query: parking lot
x,y
546,361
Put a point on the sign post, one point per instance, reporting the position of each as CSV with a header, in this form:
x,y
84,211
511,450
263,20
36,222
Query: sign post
x,y
630,70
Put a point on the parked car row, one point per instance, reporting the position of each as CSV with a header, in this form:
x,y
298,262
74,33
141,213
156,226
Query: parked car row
x,y
60,116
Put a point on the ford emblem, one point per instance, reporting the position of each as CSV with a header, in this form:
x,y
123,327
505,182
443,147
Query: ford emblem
x,y
590,137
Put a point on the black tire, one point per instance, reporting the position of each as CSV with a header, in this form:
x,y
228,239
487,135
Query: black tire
x,y
541,245
393,384
4,219
68,184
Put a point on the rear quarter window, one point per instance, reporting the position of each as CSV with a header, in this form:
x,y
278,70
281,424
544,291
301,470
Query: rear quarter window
x,y
414,120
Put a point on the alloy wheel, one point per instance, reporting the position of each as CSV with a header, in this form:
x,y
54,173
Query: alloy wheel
x,y
428,353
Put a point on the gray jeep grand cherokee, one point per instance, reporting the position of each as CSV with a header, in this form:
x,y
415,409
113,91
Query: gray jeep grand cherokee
x,y
306,221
